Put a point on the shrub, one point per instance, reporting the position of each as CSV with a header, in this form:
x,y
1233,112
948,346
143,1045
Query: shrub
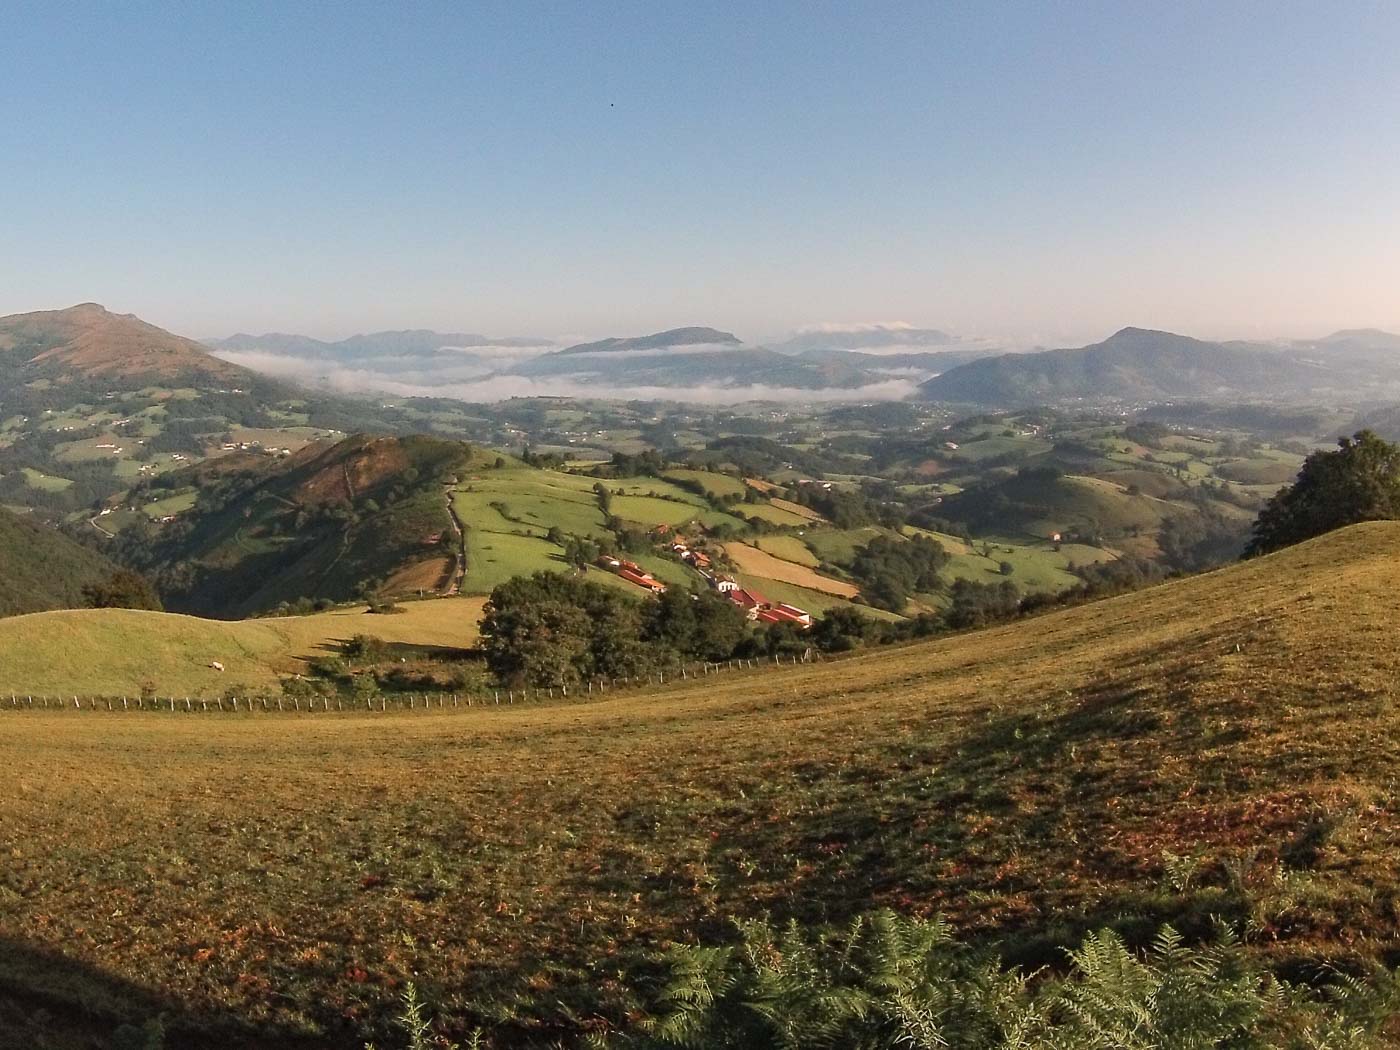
x,y
886,982
1359,481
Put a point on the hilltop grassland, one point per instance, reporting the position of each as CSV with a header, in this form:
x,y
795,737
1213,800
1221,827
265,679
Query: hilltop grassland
x,y
117,652
1222,746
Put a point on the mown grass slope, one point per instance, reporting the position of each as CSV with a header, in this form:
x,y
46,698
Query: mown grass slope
x,y
114,652
520,864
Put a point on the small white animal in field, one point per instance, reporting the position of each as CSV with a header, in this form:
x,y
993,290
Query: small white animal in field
x,y
216,665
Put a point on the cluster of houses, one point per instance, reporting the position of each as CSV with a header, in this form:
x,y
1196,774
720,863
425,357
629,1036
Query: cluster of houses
x,y
758,608
694,558
754,606
631,572
254,446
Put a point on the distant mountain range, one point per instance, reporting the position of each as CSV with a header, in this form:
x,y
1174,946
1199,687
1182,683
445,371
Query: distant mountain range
x,y
1137,364
686,358
415,342
675,337
87,344
866,339
815,361
679,358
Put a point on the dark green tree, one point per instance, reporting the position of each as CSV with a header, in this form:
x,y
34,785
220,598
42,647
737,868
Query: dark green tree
x,y
1358,481
841,629
580,551
124,589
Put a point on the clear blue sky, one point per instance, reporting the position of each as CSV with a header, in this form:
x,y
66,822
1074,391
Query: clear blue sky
x,y
1039,171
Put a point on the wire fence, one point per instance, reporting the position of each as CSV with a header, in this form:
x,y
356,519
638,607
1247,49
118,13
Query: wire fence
x,y
475,699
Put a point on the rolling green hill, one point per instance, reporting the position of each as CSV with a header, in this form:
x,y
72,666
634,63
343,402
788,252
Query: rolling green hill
x,y
1041,501
1217,748
41,568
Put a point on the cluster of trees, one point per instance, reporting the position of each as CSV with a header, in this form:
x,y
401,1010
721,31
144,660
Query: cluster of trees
x,y
550,630
1195,543
978,604
1359,481
647,463
890,570
872,503
757,456
124,589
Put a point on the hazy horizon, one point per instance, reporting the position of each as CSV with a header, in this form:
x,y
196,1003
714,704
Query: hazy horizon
x,y
1030,177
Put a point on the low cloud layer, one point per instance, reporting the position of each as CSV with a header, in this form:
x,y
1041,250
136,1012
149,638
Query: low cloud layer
x,y
681,350
474,382
834,327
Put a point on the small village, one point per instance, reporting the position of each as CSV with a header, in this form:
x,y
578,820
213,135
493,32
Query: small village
x,y
755,607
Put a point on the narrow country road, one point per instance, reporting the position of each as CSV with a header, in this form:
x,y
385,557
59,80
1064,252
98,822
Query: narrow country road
x,y
460,574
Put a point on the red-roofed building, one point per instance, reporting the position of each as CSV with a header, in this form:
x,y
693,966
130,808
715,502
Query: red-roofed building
x,y
642,579
792,611
747,600
786,614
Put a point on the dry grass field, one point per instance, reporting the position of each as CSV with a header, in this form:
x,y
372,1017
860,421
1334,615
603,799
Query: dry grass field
x,y
757,562
272,881
113,652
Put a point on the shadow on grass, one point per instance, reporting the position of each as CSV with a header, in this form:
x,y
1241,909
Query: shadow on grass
x,y
51,1002
1002,819
394,651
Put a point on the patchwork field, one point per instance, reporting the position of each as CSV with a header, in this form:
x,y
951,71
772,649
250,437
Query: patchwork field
x,y
272,882
789,548
495,557
754,562
717,485
772,513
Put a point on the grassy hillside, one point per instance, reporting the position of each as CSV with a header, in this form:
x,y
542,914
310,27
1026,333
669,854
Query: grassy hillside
x,y
326,522
508,510
1218,746
86,342
41,568
114,652
1040,503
